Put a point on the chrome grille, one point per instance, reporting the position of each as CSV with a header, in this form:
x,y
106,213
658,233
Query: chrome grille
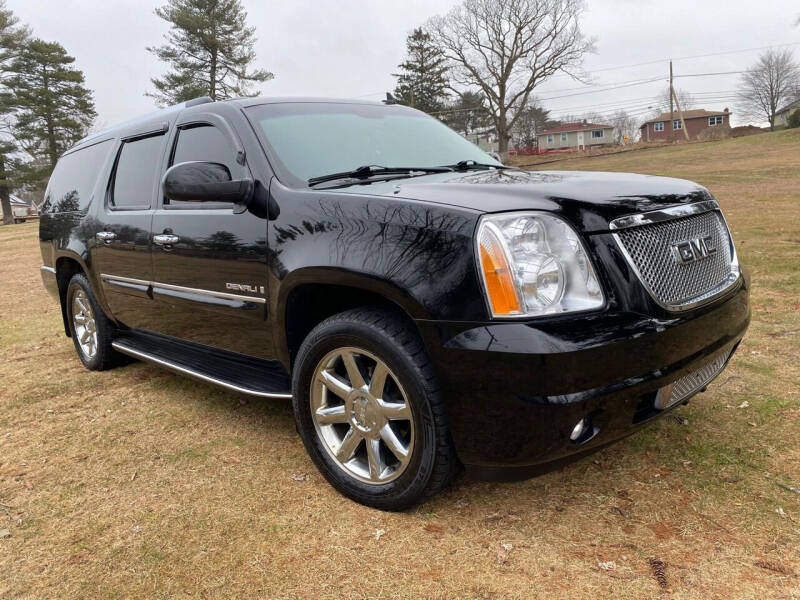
x,y
673,284
691,382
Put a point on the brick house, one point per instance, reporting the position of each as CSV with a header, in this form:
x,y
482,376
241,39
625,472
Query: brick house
x,y
575,136
659,128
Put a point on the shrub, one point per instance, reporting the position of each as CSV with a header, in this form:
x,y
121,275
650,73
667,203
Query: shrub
x,y
794,119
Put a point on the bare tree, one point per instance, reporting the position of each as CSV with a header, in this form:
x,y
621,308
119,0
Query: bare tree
x,y
508,47
768,84
625,126
685,99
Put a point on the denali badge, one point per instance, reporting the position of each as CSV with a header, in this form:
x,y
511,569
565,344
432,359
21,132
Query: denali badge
x,y
692,250
243,287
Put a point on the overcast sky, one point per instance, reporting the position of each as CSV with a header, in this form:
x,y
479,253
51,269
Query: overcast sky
x,y
349,48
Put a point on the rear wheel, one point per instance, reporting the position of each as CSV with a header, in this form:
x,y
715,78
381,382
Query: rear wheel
x,y
369,410
92,332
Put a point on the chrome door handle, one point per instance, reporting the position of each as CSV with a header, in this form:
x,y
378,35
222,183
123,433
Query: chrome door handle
x,y
165,239
105,236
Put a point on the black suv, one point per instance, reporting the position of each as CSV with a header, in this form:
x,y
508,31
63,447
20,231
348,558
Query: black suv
x,y
423,306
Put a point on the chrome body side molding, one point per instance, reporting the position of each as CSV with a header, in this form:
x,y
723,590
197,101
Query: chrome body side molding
x,y
116,280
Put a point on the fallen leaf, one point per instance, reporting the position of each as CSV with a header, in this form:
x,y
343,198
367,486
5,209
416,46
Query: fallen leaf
x,y
609,565
781,512
493,517
299,476
433,528
744,404
4,533
502,552
379,533
774,567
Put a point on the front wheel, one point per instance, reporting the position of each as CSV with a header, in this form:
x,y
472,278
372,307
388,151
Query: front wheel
x,y
369,410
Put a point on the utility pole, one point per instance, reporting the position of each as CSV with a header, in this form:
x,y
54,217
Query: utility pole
x,y
680,114
671,109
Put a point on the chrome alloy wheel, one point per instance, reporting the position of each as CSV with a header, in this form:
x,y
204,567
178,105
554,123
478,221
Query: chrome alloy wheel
x,y
362,415
84,323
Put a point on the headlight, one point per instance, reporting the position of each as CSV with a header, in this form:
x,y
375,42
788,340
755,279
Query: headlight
x,y
535,264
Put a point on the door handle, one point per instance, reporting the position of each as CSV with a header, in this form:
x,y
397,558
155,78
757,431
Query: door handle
x,y
105,236
165,239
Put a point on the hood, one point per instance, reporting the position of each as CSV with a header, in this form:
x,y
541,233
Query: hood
x,y
590,200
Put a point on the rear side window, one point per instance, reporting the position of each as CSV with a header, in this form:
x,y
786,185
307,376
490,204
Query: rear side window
x,y
135,174
74,178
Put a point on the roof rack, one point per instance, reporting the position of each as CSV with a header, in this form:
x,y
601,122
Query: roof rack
x,y
148,117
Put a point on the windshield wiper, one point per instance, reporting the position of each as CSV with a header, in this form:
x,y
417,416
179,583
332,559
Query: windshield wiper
x,y
366,171
468,165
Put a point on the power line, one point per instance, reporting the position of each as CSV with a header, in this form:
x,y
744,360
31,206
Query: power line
x,y
664,60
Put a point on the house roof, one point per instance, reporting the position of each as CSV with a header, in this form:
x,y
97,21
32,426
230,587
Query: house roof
x,y
697,113
569,127
791,105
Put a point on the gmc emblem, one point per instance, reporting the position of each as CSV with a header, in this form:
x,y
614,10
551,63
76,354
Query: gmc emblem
x,y
693,250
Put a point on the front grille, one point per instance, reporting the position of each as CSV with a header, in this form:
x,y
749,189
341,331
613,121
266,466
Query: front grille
x,y
691,382
672,284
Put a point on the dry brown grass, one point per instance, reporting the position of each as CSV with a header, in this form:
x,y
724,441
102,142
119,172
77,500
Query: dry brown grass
x,y
136,483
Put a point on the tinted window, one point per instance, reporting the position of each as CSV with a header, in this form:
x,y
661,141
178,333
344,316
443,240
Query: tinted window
x,y
73,180
135,176
313,139
204,143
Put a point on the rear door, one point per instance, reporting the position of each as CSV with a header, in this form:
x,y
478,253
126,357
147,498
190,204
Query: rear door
x,y
121,255
209,258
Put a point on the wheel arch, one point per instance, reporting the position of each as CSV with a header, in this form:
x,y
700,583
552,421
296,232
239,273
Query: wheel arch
x,y
66,268
313,295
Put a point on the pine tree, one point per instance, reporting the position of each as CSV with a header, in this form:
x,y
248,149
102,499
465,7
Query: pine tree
x,y
53,107
209,51
422,81
12,38
467,113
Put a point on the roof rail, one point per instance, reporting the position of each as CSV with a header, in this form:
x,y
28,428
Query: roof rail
x,y
148,117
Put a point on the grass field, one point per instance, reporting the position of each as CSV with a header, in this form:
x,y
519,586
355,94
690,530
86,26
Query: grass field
x,y
137,483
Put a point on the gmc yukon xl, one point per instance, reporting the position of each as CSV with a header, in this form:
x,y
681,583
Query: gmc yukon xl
x,y
425,308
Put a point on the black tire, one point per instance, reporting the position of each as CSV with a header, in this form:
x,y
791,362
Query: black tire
x,y
105,356
386,335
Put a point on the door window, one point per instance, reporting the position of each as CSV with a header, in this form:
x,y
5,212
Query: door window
x,y
135,173
203,143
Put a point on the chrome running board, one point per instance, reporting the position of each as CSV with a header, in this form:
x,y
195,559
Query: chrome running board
x,y
261,378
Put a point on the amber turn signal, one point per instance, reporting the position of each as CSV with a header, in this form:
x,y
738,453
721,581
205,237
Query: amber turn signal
x,y
497,274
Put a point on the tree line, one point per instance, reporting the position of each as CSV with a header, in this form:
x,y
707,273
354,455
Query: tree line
x,y
46,108
476,67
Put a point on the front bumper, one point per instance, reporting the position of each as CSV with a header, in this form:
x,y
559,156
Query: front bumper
x,y
515,390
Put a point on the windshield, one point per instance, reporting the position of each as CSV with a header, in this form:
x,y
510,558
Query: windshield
x,y
316,139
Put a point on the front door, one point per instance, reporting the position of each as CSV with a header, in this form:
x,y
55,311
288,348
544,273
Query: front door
x,y
121,255
209,258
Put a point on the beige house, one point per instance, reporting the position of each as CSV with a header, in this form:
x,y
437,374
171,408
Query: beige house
x,y
576,136
782,114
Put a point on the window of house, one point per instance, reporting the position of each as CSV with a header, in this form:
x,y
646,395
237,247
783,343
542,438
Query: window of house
x,y
676,124
550,139
658,126
597,133
564,137
135,174
712,121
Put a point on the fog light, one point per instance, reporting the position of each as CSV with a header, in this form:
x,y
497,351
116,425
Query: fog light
x,y
579,429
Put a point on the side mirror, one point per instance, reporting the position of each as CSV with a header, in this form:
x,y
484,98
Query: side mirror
x,y
205,182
